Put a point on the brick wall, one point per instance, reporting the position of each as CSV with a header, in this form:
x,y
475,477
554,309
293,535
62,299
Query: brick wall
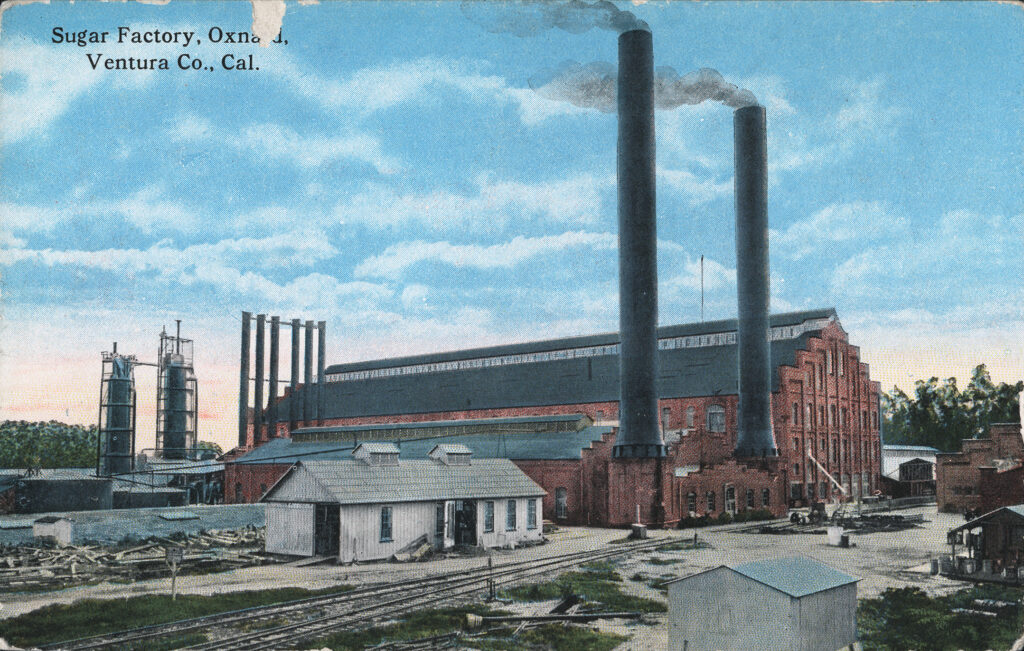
x,y
246,483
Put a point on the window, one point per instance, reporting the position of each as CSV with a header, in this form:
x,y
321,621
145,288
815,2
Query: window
x,y
691,502
531,513
842,364
842,417
510,516
689,416
730,499
796,443
766,497
835,450
828,361
488,517
239,498
821,416
666,414
796,468
561,503
796,413
823,490
716,418
796,491
750,498
599,417
832,415
439,522
809,416
710,498
385,524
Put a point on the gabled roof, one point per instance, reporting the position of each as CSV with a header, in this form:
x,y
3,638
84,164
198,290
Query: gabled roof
x,y
377,447
451,448
796,576
351,482
1016,510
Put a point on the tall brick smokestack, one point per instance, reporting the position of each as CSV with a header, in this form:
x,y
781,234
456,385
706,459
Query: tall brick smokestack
x,y
639,435
754,438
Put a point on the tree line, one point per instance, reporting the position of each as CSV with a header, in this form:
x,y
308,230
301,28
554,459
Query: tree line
x,y
939,414
51,444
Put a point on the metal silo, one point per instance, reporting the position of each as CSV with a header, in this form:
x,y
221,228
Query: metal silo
x,y
117,415
176,397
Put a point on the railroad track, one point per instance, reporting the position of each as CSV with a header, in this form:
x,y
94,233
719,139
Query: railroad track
x,y
360,606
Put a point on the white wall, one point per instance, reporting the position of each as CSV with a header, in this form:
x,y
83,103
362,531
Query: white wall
x,y
828,619
360,529
501,537
290,528
722,610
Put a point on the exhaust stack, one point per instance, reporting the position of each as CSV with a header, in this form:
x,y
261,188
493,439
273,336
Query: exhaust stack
x,y
639,435
754,437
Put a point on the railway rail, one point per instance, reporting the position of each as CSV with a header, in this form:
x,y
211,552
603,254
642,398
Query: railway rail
x,y
324,614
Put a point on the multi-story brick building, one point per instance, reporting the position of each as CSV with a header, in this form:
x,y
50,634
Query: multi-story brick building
x,y
985,474
824,406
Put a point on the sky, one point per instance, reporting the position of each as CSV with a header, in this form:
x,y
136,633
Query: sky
x,y
389,170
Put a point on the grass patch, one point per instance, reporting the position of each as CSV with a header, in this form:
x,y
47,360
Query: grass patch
x,y
684,544
599,586
416,625
550,636
907,618
654,560
655,582
94,616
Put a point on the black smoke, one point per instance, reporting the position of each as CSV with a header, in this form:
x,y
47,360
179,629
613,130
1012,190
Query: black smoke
x,y
530,17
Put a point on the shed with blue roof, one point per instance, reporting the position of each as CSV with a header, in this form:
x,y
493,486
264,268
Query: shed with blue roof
x,y
778,604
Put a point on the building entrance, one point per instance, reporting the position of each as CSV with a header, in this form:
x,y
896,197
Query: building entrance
x,y
326,530
465,522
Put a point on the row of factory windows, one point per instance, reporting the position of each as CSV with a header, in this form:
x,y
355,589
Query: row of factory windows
x,y
840,453
511,519
710,500
860,486
837,418
671,343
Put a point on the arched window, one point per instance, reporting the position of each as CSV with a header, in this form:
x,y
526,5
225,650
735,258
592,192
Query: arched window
x,y
691,502
809,416
796,413
716,418
689,416
711,501
561,502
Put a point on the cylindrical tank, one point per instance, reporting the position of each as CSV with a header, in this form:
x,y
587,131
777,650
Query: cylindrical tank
x,y
118,426
176,409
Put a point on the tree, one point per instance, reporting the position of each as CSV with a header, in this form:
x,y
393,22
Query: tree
x,y
939,414
209,445
48,445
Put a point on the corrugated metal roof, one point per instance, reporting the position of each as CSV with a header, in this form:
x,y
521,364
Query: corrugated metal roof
x,y
414,481
384,427
1017,510
797,576
541,445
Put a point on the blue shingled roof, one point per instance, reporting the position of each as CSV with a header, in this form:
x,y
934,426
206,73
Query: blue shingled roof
x,y
541,445
797,576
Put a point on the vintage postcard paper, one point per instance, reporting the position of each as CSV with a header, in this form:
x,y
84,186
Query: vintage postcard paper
x,y
413,179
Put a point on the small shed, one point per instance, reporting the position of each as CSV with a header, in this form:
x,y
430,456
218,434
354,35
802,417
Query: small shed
x,y
994,543
375,505
53,527
780,604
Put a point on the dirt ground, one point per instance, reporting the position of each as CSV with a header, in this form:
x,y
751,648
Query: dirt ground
x,y
880,560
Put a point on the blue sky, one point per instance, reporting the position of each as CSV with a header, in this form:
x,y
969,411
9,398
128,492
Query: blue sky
x,y
390,171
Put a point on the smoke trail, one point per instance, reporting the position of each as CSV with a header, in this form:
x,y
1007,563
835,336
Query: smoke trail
x,y
530,17
672,91
593,85
588,86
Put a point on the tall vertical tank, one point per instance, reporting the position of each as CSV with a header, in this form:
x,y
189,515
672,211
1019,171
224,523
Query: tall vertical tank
x,y
176,397
117,415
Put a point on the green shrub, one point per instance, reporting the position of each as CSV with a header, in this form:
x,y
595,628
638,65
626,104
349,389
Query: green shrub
x,y
724,517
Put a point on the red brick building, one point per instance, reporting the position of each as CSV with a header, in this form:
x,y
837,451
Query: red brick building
x,y
824,406
986,474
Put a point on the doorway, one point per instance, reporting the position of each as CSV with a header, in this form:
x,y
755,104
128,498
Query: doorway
x,y
326,530
465,522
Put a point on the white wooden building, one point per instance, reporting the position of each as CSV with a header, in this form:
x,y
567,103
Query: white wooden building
x,y
781,604
374,505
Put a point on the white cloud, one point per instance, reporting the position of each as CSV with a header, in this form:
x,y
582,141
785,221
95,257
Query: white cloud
x,y
838,222
415,296
864,109
400,257
495,204
940,260
698,190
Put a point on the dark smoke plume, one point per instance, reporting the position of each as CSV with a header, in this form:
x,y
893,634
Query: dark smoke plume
x,y
593,85
530,17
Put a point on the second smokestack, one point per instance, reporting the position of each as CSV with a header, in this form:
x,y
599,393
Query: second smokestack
x,y
754,436
639,435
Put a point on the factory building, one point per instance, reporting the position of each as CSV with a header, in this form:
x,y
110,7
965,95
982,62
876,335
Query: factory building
x,y
374,504
985,474
529,398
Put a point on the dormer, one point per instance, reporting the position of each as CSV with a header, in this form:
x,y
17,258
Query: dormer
x,y
377,454
451,454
